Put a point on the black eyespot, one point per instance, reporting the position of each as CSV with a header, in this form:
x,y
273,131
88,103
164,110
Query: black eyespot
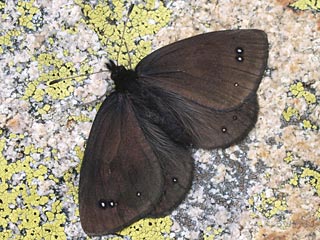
x,y
234,117
224,129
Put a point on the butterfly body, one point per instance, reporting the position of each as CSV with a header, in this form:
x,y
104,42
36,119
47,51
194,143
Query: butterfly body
x,y
198,92
147,103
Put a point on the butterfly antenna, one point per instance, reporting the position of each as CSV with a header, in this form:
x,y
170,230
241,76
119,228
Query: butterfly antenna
x,y
81,75
122,37
128,55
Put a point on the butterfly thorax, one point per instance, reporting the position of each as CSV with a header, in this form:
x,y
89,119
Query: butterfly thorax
x,y
124,79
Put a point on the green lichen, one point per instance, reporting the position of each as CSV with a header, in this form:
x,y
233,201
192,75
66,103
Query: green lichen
x,y
307,175
80,118
318,213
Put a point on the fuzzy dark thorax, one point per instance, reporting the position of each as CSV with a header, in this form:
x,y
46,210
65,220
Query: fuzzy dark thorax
x,y
124,79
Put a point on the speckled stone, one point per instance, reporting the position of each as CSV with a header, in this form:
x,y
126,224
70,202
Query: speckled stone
x,y
266,187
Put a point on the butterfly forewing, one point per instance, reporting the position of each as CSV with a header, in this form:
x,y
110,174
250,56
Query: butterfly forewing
x,y
217,70
121,178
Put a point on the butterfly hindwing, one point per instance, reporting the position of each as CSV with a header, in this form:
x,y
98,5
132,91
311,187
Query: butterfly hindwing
x,y
175,160
201,126
210,128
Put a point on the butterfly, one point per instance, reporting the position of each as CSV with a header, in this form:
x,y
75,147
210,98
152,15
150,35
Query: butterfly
x,y
199,92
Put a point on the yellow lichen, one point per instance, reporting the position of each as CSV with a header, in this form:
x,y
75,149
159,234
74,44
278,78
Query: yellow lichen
x,y
72,189
144,19
318,213
295,180
309,97
26,212
79,154
149,228
289,113
27,12
269,205
210,233
80,118
60,89
6,40
306,5
298,90
308,125
288,158
2,5
313,178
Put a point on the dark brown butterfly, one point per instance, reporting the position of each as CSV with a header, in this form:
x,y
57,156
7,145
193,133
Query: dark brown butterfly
x,y
199,92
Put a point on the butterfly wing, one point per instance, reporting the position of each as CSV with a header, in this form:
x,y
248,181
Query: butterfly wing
x,y
177,166
210,93
121,179
218,70
175,160
132,167
209,128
